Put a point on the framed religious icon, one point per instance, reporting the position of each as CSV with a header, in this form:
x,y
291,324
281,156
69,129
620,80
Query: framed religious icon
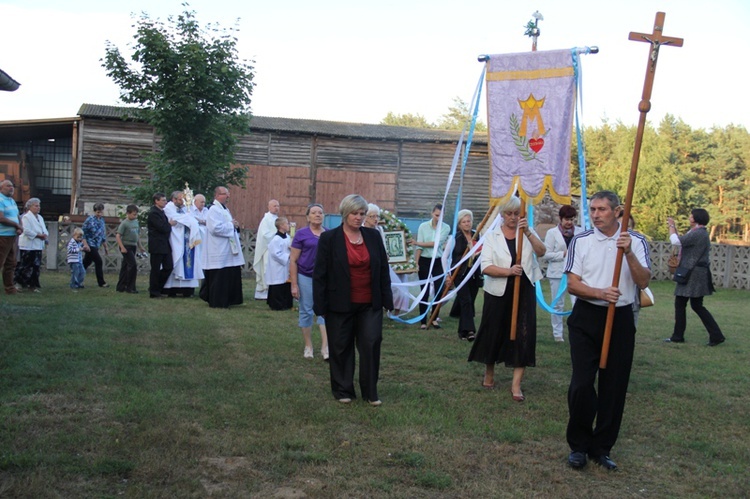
x,y
395,246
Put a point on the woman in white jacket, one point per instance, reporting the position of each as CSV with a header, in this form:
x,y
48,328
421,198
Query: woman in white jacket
x,y
501,267
31,243
557,241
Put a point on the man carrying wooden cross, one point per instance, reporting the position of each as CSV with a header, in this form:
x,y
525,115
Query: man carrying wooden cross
x,y
591,262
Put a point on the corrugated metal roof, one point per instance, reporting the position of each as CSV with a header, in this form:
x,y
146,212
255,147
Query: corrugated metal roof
x,y
315,127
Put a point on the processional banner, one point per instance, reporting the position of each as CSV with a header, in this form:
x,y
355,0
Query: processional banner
x,y
530,106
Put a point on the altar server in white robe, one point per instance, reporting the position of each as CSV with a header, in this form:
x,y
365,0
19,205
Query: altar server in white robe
x,y
222,255
200,212
277,268
184,239
266,232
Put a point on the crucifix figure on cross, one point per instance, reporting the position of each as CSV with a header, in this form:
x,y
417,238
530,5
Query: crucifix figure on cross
x,y
656,39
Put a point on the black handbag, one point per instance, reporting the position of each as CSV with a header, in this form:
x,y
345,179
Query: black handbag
x,y
681,274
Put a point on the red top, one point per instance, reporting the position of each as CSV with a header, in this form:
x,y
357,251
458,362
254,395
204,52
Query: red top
x,y
359,271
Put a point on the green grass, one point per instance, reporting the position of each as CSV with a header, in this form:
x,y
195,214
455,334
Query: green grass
x,y
105,394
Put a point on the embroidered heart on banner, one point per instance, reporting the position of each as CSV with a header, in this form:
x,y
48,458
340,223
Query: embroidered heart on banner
x,y
536,144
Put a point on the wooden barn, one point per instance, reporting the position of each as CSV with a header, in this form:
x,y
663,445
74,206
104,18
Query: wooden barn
x,y
295,161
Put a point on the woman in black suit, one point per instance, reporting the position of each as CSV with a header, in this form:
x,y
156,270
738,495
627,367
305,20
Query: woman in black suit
x,y
351,286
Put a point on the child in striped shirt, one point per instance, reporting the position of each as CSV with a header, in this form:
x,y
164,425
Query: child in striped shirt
x,y
75,259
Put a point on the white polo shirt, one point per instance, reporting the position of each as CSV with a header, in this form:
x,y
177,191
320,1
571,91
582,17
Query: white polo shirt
x,y
592,256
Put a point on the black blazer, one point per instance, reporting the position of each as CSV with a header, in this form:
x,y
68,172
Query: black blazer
x,y
331,277
159,231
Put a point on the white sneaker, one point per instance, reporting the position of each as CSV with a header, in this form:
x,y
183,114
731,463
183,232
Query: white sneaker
x,y
308,353
324,353
559,339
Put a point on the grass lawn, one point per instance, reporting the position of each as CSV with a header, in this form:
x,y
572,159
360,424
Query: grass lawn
x,y
104,394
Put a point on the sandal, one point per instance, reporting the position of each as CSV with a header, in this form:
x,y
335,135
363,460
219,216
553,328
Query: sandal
x,y
423,327
436,324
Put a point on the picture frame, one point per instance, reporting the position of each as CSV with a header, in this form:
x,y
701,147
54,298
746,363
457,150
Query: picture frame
x,y
395,246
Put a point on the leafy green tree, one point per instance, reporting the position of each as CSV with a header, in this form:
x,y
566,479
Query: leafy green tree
x,y
410,120
458,116
190,84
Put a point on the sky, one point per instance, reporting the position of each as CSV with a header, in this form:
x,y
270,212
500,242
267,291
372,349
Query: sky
x,y
356,61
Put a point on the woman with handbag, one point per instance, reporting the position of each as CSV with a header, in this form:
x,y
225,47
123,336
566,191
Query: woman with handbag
x,y
696,281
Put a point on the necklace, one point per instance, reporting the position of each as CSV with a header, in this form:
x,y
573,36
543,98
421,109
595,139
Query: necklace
x,y
353,241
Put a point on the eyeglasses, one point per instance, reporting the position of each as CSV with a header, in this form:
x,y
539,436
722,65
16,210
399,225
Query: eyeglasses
x,y
372,216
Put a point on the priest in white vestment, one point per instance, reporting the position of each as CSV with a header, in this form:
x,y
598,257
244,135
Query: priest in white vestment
x,y
222,255
266,231
184,239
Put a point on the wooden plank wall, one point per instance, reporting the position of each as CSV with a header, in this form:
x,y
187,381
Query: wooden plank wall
x,y
297,169
289,185
112,155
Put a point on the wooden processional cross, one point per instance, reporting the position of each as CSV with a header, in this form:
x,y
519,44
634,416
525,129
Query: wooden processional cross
x,y
656,39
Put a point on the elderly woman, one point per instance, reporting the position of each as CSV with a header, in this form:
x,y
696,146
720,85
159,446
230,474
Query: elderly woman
x,y
351,286
401,297
695,248
95,237
31,243
501,267
301,265
463,305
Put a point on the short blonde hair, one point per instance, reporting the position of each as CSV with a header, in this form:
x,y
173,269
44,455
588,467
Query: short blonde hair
x,y
464,213
511,204
77,231
279,222
352,203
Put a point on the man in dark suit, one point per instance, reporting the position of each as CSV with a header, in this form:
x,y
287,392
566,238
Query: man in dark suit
x,y
159,230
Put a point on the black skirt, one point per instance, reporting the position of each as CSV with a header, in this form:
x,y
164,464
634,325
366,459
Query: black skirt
x,y
222,287
280,296
492,344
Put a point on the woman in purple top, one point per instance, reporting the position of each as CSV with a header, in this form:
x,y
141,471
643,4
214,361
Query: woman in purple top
x,y
301,263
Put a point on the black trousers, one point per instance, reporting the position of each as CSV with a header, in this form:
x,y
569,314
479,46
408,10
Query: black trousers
x,y
585,403
93,256
463,307
161,267
128,270
361,326
680,318
424,273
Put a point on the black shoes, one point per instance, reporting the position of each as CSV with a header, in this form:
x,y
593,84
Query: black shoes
x,y
605,462
711,343
577,460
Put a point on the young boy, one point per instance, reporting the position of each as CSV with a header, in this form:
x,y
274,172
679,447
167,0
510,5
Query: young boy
x,y
277,268
75,259
128,239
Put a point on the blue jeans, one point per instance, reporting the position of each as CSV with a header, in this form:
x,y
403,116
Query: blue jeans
x,y
306,314
77,274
